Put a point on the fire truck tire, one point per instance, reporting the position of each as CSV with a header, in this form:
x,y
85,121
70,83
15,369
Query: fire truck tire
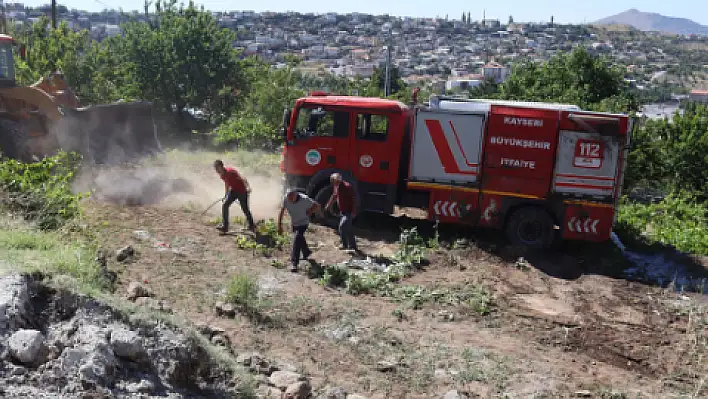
x,y
330,219
531,227
14,141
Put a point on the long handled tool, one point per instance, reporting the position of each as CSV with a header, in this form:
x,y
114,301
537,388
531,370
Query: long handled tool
x,y
211,206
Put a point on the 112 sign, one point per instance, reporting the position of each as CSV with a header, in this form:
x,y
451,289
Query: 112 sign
x,y
588,154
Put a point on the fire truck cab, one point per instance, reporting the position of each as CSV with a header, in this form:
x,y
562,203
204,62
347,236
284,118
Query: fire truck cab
x,y
536,170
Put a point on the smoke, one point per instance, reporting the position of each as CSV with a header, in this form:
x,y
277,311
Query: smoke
x,y
180,179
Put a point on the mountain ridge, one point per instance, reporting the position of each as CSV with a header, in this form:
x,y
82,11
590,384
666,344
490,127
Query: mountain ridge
x,y
648,21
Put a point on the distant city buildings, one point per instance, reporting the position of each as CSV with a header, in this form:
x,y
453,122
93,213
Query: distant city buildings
x,y
454,54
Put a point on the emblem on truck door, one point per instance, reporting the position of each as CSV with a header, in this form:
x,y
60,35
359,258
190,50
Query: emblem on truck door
x,y
313,157
366,161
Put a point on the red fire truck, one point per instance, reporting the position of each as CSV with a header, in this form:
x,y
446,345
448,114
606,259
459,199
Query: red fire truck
x,y
536,170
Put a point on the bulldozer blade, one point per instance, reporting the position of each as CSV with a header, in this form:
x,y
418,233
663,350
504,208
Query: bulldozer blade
x,y
109,133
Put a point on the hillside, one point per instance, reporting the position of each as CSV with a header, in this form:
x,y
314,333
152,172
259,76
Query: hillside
x,y
655,22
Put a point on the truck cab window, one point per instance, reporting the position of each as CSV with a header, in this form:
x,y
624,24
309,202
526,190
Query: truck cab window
x,y
372,127
320,123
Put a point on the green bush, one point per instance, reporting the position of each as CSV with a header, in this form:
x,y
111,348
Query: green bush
x,y
247,132
243,291
679,220
41,191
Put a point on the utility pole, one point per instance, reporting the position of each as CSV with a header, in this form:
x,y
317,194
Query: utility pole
x,y
54,14
387,84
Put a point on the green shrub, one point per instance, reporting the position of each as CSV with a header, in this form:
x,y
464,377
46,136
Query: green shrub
x,y
41,191
247,132
679,220
243,291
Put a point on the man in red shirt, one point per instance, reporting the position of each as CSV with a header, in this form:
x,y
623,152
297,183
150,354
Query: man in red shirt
x,y
237,188
346,201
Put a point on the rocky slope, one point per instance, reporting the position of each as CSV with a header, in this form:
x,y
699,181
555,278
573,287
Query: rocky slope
x,y
60,345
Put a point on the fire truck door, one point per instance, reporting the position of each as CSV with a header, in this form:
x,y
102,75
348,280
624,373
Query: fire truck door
x,y
376,161
323,140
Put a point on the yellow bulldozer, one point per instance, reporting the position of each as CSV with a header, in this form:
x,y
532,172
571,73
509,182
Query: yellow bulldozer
x,y
38,120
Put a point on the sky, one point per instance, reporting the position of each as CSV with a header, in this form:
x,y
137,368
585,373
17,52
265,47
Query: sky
x,y
564,11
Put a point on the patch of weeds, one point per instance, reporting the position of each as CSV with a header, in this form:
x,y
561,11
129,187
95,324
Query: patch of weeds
x,y
42,191
25,249
399,314
267,233
246,242
335,276
469,297
242,291
278,264
434,242
412,248
478,365
522,264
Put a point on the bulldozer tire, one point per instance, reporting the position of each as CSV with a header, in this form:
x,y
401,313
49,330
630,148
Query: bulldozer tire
x,y
14,141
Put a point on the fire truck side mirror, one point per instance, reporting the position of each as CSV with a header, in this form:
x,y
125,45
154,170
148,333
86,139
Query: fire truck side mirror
x,y
286,123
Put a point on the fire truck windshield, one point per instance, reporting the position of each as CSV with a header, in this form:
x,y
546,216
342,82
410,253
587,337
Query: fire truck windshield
x,y
314,122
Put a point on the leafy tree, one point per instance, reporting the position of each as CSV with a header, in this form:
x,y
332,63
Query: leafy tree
x,y
185,62
49,50
378,81
577,77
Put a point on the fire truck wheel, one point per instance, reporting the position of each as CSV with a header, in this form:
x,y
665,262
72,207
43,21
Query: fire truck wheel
x,y
531,227
331,219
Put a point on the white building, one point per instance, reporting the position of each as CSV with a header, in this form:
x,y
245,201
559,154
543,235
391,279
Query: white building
x,y
495,71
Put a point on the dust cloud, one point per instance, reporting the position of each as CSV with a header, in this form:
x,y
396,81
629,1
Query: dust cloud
x,y
182,179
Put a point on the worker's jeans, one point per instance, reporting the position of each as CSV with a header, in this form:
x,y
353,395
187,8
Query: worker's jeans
x,y
299,245
346,231
243,201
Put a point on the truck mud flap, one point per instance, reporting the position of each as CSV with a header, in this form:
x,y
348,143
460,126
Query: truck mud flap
x,y
110,133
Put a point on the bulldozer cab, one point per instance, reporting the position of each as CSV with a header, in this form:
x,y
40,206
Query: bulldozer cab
x,y
7,62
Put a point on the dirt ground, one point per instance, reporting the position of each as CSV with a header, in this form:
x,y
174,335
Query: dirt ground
x,y
548,325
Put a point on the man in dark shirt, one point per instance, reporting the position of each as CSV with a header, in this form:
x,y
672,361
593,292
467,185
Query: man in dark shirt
x,y
346,201
236,188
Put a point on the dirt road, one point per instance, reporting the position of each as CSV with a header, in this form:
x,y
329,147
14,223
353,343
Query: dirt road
x,y
475,318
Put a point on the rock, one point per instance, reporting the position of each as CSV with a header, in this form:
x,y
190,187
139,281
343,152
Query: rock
x,y
386,365
284,366
153,304
454,394
27,346
124,253
209,331
261,365
283,379
333,393
17,370
355,396
583,394
298,390
138,290
267,392
127,344
225,309
144,386
221,340
14,301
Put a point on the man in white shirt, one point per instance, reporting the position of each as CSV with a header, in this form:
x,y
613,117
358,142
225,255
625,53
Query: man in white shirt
x,y
300,207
